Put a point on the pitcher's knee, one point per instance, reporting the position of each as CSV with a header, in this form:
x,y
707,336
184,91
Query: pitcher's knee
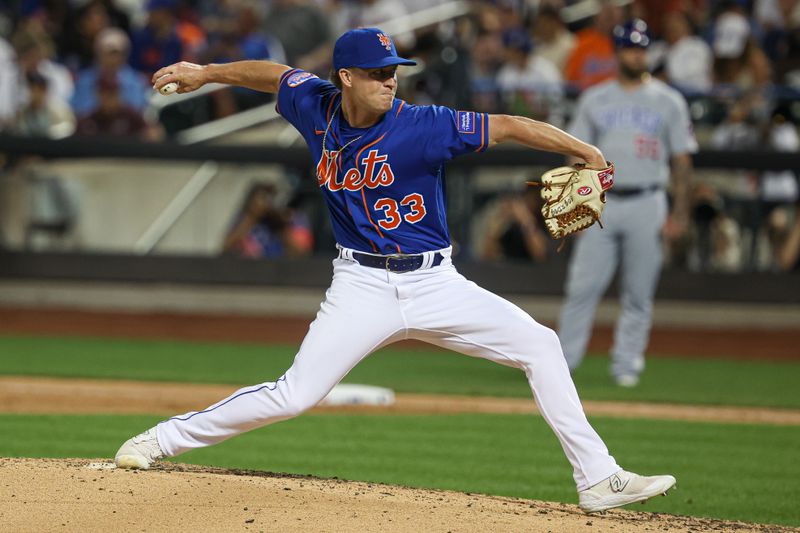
x,y
551,344
541,344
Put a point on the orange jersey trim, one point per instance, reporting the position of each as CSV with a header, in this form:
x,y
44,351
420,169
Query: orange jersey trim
x,y
280,84
483,133
330,105
363,196
286,75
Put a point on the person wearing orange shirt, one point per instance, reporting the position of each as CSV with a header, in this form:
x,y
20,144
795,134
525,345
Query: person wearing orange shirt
x,y
593,59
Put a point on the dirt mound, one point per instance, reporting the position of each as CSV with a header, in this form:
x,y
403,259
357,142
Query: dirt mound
x,y
82,495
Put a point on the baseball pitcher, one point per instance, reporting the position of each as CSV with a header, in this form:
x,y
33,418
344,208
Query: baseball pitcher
x,y
380,165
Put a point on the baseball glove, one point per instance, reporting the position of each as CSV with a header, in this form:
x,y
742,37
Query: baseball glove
x,y
574,197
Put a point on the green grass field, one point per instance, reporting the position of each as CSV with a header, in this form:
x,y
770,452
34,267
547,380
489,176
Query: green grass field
x,y
672,380
513,455
744,472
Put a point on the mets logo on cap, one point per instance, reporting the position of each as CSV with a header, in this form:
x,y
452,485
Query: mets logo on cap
x,y
366,48
386,42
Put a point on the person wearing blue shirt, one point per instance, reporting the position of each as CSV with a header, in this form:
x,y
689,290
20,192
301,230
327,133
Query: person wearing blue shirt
x,y
111,54
380,164
158,41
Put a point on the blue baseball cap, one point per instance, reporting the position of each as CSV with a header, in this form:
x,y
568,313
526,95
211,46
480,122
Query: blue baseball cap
x,y
366,48
632,34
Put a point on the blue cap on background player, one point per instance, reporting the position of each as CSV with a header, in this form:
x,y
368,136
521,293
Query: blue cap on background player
x,y
632,34
366,48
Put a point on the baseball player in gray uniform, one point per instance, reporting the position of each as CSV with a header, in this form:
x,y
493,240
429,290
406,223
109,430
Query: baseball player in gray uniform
x,y
642,125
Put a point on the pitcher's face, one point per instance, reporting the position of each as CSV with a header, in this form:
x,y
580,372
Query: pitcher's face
x,y
374,88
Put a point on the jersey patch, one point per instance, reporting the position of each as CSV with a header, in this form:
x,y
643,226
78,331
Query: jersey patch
x,y
298,78
466,121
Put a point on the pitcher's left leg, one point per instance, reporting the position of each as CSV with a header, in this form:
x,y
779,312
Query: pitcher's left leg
x,y
450,311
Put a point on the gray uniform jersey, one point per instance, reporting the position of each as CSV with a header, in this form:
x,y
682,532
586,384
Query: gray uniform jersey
x,y
638,130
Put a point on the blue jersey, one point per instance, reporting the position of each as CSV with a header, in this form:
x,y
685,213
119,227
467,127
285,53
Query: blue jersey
x,y
384,185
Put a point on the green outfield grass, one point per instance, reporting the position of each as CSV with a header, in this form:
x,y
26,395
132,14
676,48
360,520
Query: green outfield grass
x,y
724,471
678,380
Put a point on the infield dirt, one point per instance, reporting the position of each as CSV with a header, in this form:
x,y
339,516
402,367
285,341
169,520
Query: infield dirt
x,y
739,342
44,395
89,496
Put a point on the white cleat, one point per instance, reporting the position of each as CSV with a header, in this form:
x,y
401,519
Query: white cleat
x,y
621,489
140,451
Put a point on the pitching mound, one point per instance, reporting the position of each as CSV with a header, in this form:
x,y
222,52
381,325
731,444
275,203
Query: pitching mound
x,y
82,495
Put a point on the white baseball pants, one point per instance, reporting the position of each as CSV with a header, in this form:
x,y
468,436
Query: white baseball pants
x,y
367,308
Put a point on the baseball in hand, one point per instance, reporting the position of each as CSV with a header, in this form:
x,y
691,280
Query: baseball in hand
x,y
169,88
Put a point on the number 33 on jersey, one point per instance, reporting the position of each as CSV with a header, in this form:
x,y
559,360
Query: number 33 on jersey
x,y
381,201
377,172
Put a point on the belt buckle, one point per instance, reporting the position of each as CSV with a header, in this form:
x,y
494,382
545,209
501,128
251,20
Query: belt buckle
x,y
394,256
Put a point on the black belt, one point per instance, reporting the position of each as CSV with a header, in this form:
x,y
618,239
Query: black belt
x,y
626,193
397,262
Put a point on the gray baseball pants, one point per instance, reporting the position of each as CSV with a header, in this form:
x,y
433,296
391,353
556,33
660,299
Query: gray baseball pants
x,y
631,241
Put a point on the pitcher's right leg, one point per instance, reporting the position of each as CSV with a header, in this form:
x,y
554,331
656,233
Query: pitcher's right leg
x,y
359,315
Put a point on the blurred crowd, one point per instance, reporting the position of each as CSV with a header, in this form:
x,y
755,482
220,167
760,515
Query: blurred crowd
x,y
92,59
84,66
